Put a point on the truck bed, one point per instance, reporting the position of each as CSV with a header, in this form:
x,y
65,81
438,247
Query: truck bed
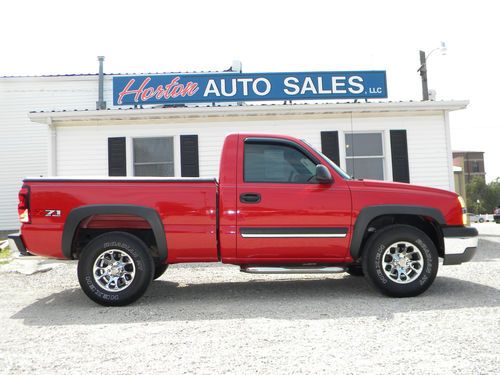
x,y
187,208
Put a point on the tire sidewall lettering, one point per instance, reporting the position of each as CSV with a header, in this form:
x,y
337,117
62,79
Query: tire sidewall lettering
x,y
373,262
378,263
137,251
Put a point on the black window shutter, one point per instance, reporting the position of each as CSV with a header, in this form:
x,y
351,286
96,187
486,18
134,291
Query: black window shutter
x,y
330,145
190,166
399,153
117,159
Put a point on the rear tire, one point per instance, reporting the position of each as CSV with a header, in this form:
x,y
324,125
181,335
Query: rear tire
x,y
400,261
115,269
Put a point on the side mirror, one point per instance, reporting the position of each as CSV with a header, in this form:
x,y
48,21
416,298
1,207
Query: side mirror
x,y
323,175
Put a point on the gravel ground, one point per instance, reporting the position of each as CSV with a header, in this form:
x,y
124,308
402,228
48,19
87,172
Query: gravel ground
x,y
215,320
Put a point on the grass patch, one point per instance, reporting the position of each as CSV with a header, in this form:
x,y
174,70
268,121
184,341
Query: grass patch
x,y
5,255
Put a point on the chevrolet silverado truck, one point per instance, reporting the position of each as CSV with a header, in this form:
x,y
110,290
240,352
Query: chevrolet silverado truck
x,y
279,206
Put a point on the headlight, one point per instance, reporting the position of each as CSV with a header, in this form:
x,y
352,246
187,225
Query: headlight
x,y
464,210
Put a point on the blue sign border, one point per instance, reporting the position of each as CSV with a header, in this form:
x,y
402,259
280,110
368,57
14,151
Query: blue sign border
x,y
241,87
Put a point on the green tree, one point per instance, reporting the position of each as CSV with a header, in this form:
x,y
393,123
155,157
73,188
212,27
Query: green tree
x,y
488,196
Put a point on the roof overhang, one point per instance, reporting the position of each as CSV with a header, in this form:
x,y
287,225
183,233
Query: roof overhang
x,y
205,112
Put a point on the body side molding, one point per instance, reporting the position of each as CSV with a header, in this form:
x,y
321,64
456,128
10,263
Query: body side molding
x,y
367,214
288,232
78,214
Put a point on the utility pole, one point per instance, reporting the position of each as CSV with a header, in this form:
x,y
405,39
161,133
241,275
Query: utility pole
x,y
423,68
423,74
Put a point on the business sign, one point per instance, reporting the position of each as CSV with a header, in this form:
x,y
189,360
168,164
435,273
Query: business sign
x,y
241,87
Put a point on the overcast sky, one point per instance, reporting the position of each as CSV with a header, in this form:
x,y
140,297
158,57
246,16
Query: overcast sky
x,y
59,37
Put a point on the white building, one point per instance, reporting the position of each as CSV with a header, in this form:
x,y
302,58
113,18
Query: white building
x,y
49,127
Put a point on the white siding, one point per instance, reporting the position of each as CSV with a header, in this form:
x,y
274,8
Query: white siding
x,y
82,150
428,158
23,150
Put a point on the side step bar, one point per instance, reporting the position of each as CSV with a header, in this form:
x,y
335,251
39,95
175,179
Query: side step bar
x,y
291,269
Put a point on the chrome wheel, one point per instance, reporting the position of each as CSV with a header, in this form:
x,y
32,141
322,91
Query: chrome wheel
x,y
114,270
402,262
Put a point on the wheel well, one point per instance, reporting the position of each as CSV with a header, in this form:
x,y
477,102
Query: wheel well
x,y
95,225
427,225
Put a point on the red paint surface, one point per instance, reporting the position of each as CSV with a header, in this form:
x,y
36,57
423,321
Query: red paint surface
x,y
293,205
188,212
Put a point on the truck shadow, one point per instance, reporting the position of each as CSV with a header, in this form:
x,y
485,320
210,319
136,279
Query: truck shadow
x,y
488,249
322,298
278,299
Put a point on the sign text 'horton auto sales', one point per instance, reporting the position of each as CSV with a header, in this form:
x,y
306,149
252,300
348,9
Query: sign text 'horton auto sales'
x,y
239,87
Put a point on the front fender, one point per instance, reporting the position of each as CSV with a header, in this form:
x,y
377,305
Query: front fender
x,y
367,214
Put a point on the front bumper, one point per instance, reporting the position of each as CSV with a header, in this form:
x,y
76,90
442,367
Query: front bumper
x,y
460,244
16,244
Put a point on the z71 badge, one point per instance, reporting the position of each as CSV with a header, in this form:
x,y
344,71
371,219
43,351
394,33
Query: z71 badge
x,y
52,213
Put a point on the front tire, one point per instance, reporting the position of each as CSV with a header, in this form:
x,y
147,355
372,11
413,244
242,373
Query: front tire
x,y
115,269
400,261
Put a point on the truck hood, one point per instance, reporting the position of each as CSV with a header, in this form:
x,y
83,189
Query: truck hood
x,y
388,185
366,193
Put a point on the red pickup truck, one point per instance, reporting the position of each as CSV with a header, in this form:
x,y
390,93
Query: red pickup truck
x,y
280,206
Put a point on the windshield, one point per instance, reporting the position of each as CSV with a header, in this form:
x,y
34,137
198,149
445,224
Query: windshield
x,y
339,170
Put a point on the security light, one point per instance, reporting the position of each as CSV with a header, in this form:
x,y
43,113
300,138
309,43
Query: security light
x,y
443,49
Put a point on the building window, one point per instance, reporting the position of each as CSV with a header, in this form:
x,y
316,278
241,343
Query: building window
x,y
365,155
154,157
475,166
269,162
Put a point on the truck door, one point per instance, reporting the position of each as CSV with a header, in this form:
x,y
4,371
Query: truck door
x,y
283,212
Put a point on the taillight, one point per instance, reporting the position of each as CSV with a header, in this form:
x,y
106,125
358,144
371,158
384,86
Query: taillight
x,y
464,210
23,208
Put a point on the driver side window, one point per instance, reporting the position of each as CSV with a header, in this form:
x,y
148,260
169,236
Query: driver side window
x,y
278,163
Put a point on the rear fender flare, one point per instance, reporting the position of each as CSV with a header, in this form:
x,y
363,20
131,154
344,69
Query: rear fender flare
x,y
367,214
76,216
